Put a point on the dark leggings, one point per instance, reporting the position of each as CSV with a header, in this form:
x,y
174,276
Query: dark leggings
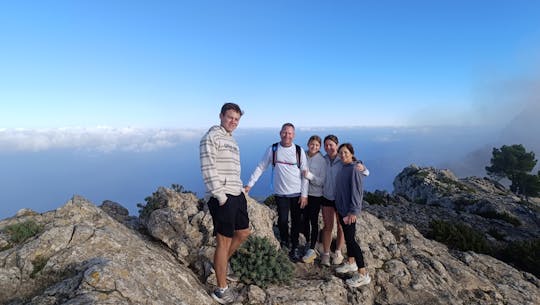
x,y
353,249
285,204
310,217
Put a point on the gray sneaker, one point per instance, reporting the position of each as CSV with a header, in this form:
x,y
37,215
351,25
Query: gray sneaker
x,y
230,274
223,296
358,280
325,260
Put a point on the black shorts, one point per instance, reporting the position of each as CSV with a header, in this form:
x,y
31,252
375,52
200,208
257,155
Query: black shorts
x,y
328,203
229,217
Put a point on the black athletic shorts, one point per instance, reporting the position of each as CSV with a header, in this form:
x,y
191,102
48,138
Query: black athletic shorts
x,y
328,203
229,217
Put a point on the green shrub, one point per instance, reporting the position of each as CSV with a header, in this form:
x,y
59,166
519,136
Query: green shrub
x,y
39,263
154,202
270,200
20,232
524,255
458,236
502,216
374,198
180,189
496,234
259,262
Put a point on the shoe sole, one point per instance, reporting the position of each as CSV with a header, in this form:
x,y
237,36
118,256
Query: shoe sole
x,y
220,301
356,285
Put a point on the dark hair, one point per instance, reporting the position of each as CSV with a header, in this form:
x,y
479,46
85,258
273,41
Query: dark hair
x,y
332,138
287,125
349,148
231,106
314,138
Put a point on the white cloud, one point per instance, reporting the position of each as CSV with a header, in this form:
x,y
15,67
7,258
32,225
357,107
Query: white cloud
x,y
103,139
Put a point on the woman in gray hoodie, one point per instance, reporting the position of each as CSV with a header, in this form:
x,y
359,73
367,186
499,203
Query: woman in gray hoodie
x,y
348,194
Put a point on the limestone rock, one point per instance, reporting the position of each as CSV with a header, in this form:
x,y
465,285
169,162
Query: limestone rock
x,y
83,256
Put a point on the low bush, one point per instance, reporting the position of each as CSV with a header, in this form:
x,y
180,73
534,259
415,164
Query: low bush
x,y
20,232
374,198
458,236
260,263
39,263
524,255
501,216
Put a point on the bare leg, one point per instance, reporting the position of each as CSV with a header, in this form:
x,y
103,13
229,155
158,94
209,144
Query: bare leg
x,y
328,220
238,238
220,259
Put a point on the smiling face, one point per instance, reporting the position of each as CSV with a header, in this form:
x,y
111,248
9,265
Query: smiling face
x,y
314,147
287,136
331,148
230,120
346,155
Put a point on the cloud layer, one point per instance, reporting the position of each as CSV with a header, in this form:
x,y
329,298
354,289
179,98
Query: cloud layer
x,y
102,139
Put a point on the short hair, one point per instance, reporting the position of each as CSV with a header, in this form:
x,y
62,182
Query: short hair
x,y
287,125
332,138
314,138
231,106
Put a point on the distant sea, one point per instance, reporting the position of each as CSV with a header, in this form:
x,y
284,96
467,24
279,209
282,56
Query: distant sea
x,y
46,179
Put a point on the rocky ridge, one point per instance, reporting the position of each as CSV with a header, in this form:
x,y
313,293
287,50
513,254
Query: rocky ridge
x,y
83,255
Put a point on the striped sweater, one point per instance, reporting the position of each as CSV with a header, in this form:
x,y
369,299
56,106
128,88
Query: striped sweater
x,y
220,164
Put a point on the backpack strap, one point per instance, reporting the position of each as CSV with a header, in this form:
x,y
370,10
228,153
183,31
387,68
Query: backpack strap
x,y
274,152
298,154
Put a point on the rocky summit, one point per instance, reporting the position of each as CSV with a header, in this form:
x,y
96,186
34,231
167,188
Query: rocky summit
x,y
84,254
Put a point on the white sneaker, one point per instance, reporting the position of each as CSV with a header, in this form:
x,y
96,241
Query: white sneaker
x,y
358,280
346,268
310,256
337,258
325,259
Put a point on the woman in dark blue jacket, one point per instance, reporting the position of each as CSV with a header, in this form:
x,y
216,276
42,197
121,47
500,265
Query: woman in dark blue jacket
x,y
349,193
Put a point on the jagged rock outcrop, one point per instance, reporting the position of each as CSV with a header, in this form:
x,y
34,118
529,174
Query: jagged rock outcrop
x,y
422,194
83,256
93,259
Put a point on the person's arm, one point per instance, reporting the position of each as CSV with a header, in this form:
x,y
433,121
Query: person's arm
x,y
362,168
318,178
357,192
209,171
261,167
304,182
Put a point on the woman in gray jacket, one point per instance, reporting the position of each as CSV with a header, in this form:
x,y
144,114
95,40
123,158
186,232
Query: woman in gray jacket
x,y
349,193
316,176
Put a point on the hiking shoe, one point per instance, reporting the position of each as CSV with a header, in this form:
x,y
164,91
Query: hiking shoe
x,y
230,274
295,255
309,257
325,260
223,296
346,268
358,280
337,258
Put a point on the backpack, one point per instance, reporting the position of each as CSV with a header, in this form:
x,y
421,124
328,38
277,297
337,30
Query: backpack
x,y
298,152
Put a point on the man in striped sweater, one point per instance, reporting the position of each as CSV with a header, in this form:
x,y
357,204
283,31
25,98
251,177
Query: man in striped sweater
x,y
220,166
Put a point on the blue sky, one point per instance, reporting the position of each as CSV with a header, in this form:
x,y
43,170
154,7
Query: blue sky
x,y
171,64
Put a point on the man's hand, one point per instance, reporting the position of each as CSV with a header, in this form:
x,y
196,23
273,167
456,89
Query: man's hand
x,y
303,202
247,189
360,167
